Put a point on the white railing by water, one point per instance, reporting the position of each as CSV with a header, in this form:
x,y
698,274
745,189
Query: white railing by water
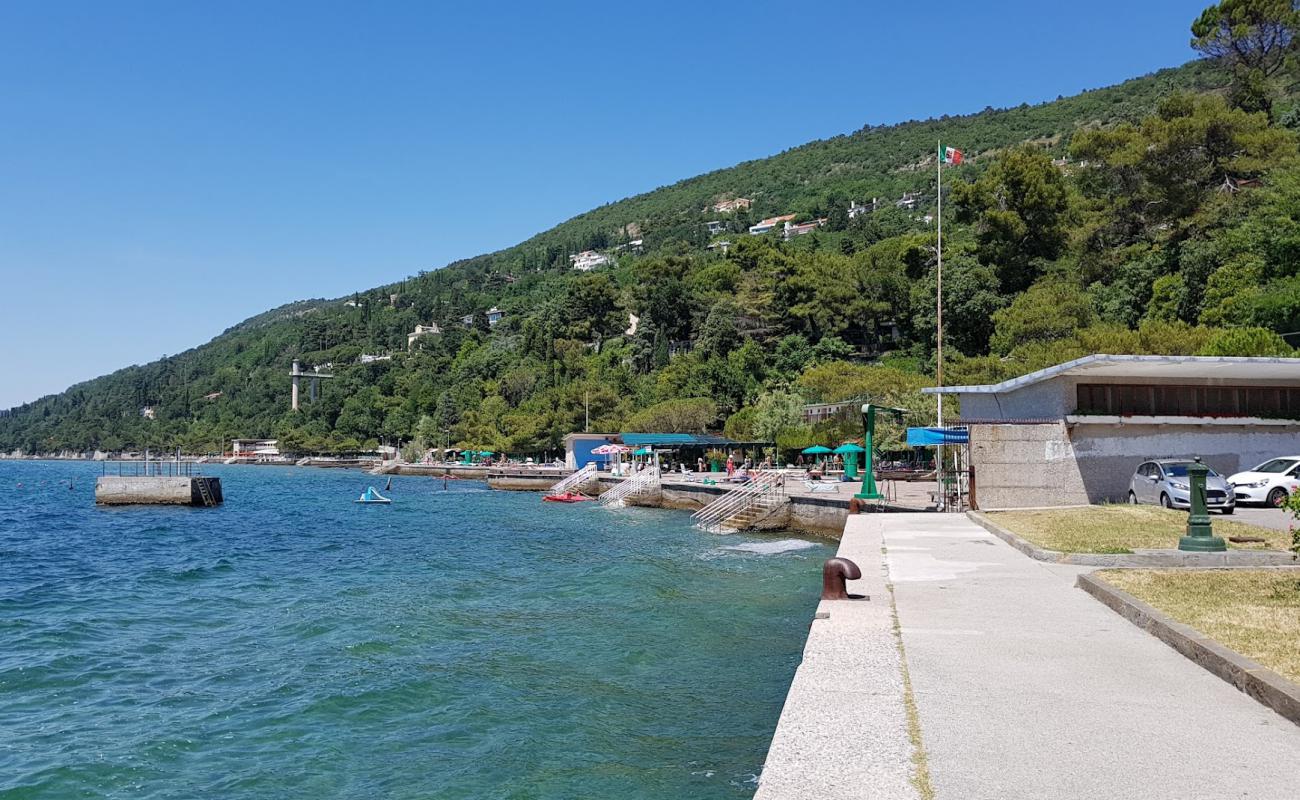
x,y
747,502
576,479
640,483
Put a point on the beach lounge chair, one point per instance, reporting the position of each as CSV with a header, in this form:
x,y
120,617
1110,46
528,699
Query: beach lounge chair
x,y
817,487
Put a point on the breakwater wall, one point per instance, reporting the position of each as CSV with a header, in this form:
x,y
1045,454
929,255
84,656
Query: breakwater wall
x,y
822,516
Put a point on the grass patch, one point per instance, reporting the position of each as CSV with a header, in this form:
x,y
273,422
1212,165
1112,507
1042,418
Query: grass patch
x,y
1122,529
1253,611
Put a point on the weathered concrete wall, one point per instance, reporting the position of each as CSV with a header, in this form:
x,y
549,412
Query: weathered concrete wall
x,y
112,490
1021,466
1046,400
522,483
1057,397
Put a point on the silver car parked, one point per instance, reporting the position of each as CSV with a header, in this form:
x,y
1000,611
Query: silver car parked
x,y
1165,482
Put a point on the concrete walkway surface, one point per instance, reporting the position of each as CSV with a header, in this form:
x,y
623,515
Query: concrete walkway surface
x,y
843,731
1027,687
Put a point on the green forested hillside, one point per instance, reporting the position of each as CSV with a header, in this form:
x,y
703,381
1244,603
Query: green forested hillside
x,y
1155,216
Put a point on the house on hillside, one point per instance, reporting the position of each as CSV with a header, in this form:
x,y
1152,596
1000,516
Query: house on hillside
x,y
467,320
909,201
768,224
801,228
729,206
716,227
420,330
1074,433
588,260
366,358
856,210
495,315
724,246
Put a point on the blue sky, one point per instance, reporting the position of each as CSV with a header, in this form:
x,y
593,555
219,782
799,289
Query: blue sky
x,y
168,169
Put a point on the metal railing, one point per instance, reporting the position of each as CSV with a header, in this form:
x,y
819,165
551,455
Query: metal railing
x,y
151,469
578,478
765,488
640,482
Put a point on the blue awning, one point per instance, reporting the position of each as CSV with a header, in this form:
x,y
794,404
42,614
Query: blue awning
x,y
673,440
929,437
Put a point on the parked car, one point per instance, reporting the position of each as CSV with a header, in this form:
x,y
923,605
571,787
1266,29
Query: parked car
x,y
1165,482
1270,483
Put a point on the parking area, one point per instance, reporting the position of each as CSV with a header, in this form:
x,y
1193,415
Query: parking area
x,y
1274,518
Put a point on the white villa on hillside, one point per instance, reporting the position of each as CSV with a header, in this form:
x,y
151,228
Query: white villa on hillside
x,y
588,260
856,210
420,330
768,224
494,315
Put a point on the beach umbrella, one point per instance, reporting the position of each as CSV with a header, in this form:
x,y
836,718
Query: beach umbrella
x,y
816,450
610,449
848,447
486,453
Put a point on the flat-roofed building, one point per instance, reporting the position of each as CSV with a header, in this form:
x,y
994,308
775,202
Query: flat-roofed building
x,y
1074,433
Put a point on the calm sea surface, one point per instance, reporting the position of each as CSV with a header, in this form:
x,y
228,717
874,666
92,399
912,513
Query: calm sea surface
x,y
460,643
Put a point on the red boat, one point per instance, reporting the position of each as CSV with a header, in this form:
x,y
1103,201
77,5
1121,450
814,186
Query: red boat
x,y
565,497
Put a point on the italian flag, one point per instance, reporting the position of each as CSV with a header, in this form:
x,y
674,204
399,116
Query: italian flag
x,y
950,155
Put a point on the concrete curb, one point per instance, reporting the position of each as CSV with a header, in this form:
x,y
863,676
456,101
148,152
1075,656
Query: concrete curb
x,y
1144,559
1249,677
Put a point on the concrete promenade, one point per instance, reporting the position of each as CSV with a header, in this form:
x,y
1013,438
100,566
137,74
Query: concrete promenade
x,y
1027,687
843,732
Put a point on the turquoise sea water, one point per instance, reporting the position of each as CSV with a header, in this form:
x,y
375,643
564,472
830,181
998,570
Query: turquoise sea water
x,y
456,644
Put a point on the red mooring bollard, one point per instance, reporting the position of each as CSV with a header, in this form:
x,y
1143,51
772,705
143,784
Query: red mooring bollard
x,y
834,574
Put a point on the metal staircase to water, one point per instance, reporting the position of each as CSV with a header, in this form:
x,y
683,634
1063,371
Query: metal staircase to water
x,y
205,491
643,482
574,480
745,505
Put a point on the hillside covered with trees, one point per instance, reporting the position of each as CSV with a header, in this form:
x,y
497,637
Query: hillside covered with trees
x,y
1161,215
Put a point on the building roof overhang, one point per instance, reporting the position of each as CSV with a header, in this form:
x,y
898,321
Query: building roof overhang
x,y
1218,368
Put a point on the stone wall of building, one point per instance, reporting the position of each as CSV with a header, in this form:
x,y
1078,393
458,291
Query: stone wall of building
x,y
1054,464
1022,466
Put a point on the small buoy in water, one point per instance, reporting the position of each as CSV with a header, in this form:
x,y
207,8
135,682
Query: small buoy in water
x,y
389,486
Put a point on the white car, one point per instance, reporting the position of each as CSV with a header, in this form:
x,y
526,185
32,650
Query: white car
x,y
1270,483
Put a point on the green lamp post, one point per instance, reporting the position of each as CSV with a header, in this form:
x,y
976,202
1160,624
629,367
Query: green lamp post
x,y
869,489
1200,536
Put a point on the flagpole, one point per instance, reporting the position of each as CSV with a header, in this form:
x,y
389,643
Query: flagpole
x,y
939,278
938,451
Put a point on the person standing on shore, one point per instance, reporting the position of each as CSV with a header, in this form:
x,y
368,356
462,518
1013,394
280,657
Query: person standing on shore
x,y
731,466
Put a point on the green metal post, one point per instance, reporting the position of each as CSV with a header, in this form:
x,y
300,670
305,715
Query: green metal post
x,y
851,466
1200,536
869,490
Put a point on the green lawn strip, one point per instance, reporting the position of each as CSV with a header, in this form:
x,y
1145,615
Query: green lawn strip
x,y
1122,529
1255,612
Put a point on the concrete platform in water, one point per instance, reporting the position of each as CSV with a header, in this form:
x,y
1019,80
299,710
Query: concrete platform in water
x,y
156,483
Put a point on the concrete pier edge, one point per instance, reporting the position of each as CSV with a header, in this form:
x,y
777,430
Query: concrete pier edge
x,y
848,728
1142,560
1248,676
